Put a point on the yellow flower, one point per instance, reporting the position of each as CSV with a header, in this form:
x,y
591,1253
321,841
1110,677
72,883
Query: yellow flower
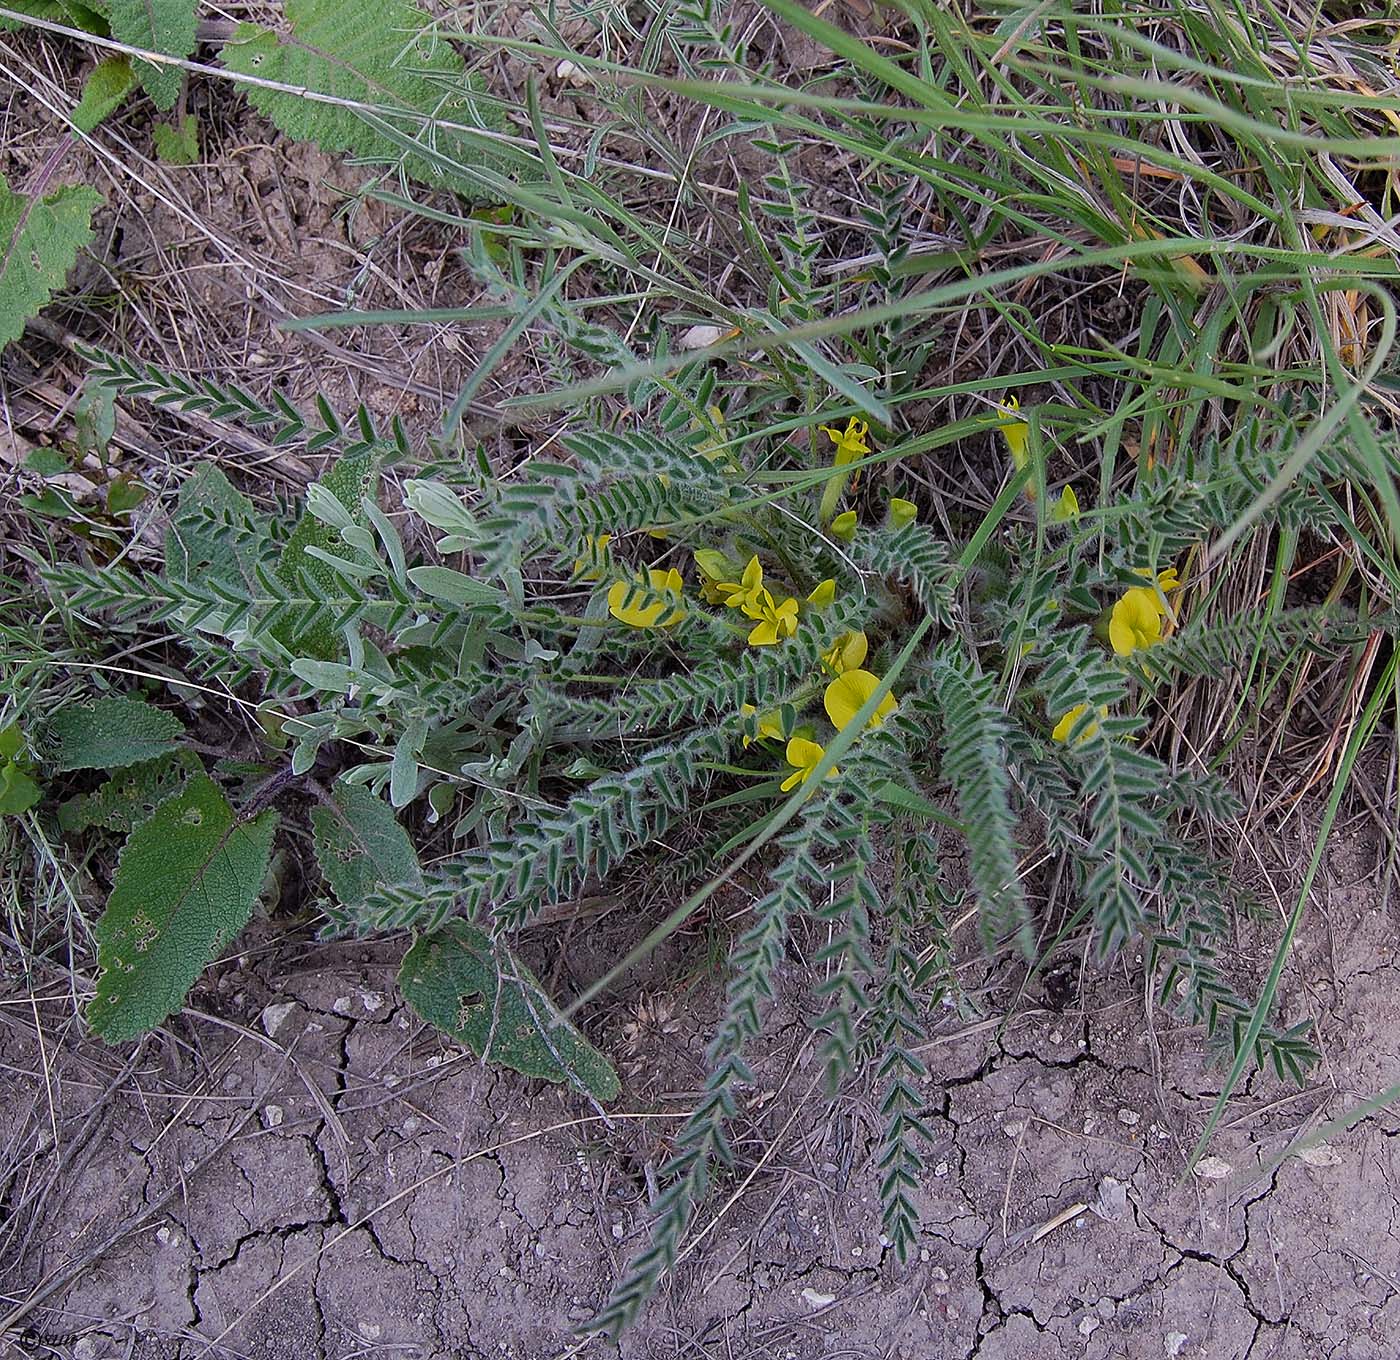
x,y
805,756
589,568
636,613
1136,621
775,621
850,442
848,651
1067,507
743,593
902,512
714,566
848,692
769,725
823,594
1064,726
844,526
1017,434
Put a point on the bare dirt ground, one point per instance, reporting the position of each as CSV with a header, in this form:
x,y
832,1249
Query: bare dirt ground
x,y
299,1169
296,1169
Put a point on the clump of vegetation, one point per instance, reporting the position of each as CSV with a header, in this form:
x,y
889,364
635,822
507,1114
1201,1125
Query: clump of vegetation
x,y
748,598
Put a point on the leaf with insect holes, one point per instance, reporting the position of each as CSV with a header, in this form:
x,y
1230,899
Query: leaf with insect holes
x,y
39,241
383,55
360,845
130,796
165,26
111,732
482,996
185,886
350,480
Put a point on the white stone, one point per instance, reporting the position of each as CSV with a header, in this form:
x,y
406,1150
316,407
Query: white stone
x,y
1173,1342
571,73
274,1015
1321,1155
272,1116
816,1300
1213,1169
700,337
1129,1118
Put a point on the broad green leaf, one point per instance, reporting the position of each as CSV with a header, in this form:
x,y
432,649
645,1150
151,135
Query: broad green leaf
x,y
478,995
130,796
111,733
108,83
185,886
11,741
350,480
18,792
360,845
382,54
165,26
177,144
52,10
39,241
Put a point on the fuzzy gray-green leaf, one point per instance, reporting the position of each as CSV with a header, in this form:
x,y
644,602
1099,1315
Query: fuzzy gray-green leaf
x,y
39,243
111,733
360,845
383,55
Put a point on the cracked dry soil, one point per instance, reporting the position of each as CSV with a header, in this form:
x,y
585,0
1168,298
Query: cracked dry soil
x,y
305,1173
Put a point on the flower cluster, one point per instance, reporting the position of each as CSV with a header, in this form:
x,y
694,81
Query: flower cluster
x,y
655,599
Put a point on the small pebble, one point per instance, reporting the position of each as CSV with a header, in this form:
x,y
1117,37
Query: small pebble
x,y
271,1116
1129,1118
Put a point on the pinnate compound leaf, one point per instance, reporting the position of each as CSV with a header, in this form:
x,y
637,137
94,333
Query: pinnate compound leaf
x,y
165,26
382,54
482,995
39,241
360,845
111,733
185,886
214,531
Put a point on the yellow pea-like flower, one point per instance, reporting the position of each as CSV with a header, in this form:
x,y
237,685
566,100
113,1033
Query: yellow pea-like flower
x,y
638,613
847,694
804,756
